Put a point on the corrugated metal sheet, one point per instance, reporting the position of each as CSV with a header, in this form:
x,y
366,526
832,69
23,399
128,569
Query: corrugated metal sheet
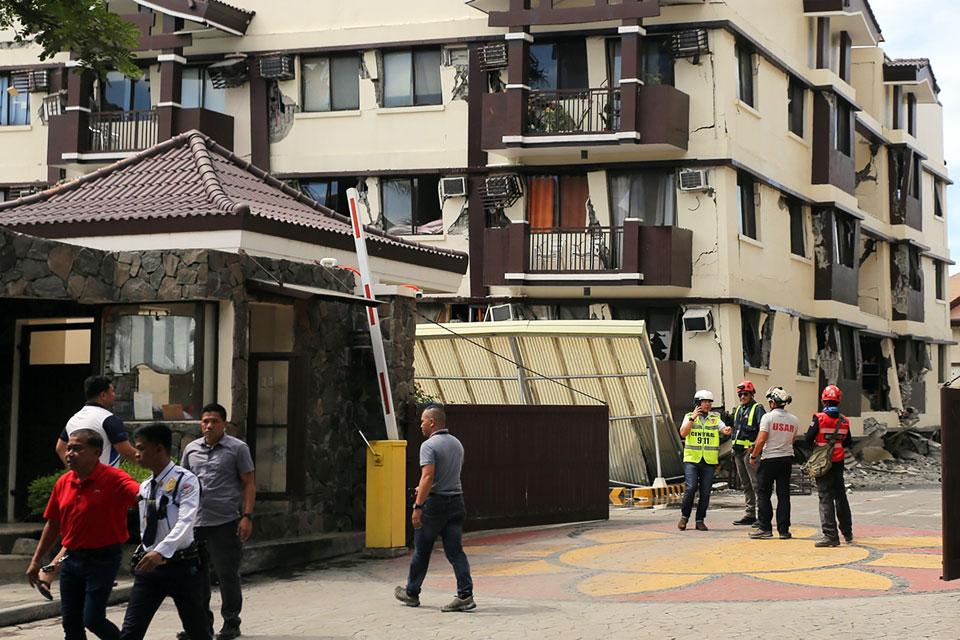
x,y
596,363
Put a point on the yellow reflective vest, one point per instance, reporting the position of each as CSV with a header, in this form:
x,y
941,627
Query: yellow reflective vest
x,y
703,441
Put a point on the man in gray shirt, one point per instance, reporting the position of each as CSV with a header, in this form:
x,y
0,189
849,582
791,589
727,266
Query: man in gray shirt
x,y
438,512
225,520
774,449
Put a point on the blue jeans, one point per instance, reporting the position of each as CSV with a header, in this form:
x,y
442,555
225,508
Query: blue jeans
x,y
697,474
442,517
85,585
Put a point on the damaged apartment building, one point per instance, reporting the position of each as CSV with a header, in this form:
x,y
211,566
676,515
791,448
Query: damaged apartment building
x,y
755,179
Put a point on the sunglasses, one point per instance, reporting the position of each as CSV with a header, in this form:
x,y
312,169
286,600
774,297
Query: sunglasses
x,y
744,393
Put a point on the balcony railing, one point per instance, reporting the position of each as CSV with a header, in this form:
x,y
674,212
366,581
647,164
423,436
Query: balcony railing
x,y
122,131
575,250
556,111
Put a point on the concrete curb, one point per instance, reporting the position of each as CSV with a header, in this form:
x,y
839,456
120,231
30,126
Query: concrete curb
x,y
25,613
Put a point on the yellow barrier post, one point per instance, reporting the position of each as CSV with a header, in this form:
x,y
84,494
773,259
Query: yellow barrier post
x,y
386,497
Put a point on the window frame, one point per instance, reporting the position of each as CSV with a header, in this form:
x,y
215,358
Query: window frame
x,y
797,213
943,363
330,81
938,209
7,101
796,99
340,196
414,102
204,77
760,325
746,91
415,190
843,131
130,107
940,289
803,350
848,223
916,176
748,226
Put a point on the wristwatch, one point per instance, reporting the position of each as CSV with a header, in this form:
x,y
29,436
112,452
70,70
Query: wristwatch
x,y
417,506
247,515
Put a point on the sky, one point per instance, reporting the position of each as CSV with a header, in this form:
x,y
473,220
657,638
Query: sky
x,y
927,29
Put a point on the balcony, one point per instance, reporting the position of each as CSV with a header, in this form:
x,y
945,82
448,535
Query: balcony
x,y
99,136
608,119
517,255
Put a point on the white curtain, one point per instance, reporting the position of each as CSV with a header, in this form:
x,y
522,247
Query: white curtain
x,y
649,196
163,343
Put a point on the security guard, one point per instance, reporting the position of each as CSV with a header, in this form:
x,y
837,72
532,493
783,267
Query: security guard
x,y
745,422
701,430
167,561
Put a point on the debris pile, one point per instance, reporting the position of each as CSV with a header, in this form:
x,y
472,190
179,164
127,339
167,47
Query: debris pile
x,y
884,459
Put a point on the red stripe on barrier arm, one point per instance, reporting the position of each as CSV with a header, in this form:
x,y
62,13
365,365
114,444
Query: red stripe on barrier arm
x,y
355,218
367,292
384,394
373,318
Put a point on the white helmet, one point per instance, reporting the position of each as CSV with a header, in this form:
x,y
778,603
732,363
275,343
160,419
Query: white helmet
x,y
703,394
778,396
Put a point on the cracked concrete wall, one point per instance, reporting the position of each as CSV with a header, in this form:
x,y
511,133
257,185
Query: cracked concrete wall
x,y
900,278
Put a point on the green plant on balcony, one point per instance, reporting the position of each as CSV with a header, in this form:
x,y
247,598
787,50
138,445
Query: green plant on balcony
x,y
549,116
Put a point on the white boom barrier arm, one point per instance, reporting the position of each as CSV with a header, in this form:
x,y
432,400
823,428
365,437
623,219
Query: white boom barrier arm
x,y
373,317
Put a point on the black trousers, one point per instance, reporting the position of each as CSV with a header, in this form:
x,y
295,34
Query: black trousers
x,y
222,548
774,471
834,507
179,580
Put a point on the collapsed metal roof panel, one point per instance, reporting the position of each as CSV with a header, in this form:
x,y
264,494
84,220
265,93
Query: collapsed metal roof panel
x,y
564,362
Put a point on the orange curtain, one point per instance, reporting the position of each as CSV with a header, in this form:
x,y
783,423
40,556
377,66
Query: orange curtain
x,y
574,193
541,195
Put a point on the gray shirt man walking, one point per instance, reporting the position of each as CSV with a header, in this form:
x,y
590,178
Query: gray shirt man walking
x,y
438,512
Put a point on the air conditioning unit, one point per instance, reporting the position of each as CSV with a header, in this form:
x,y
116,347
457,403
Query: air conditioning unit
x,y
693,180
228,74
689,44
697,320
277,67
501,191
38,80
498,313
493,56
453,187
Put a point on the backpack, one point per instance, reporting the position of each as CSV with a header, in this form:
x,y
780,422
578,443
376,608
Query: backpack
x,y
821,460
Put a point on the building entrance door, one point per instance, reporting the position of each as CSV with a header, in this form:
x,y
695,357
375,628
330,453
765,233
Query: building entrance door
x,y
55,359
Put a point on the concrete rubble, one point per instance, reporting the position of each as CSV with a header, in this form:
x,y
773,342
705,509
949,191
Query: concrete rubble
x,y
886,458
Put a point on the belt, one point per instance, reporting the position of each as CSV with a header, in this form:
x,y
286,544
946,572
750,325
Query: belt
x,y
99,552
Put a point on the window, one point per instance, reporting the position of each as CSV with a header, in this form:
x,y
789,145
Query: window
x,y
559,65
557,201
650,196
747,204
120,93
331,83
152,353
912,114
849,353
844,239
656,66
411,205
197,91
796,95
938,269
938,198
943,363
803,350
797,228
757,334
14,109
915,273
745,75
411,78
330,192
843,142
916,175
3,195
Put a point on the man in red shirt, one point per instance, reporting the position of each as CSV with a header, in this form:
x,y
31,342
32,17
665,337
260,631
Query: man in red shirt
x,y
88,510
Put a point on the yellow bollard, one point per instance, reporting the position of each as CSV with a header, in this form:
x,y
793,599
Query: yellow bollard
x,y
386,495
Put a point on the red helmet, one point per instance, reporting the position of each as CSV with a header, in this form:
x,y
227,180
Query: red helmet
x,y
831,392
746,386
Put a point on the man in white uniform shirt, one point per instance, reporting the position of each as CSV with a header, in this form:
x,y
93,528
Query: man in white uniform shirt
x,y
774,450
167,561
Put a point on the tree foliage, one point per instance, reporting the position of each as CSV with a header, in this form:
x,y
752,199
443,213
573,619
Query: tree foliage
x,y
100,39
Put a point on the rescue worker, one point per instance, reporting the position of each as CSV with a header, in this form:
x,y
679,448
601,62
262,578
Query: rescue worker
x,y
774,453
834,507
745,422
701,430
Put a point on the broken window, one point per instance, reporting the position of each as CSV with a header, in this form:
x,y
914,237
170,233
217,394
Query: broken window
x,y
411,78
913,363
649,196
796,95
745,88
828,351
797,229
663,327
747,204
803,350
844,138
411,206
874,366
916,275
331,83
757,332
844,239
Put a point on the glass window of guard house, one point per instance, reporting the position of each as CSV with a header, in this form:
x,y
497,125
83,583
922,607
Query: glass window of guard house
x,y
330,83
798,233
14,109
121,93
411,205
796,97
151,351
411,78
747,205
745,78
650,196
198,91
559,65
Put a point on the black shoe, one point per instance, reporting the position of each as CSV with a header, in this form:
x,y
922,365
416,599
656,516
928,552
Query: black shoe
x,y
848,538
760,534
827,542
745,520
786,536
228,633
182,635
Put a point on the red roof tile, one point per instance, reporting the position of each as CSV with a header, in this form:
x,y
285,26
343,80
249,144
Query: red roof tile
x,y
188,176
